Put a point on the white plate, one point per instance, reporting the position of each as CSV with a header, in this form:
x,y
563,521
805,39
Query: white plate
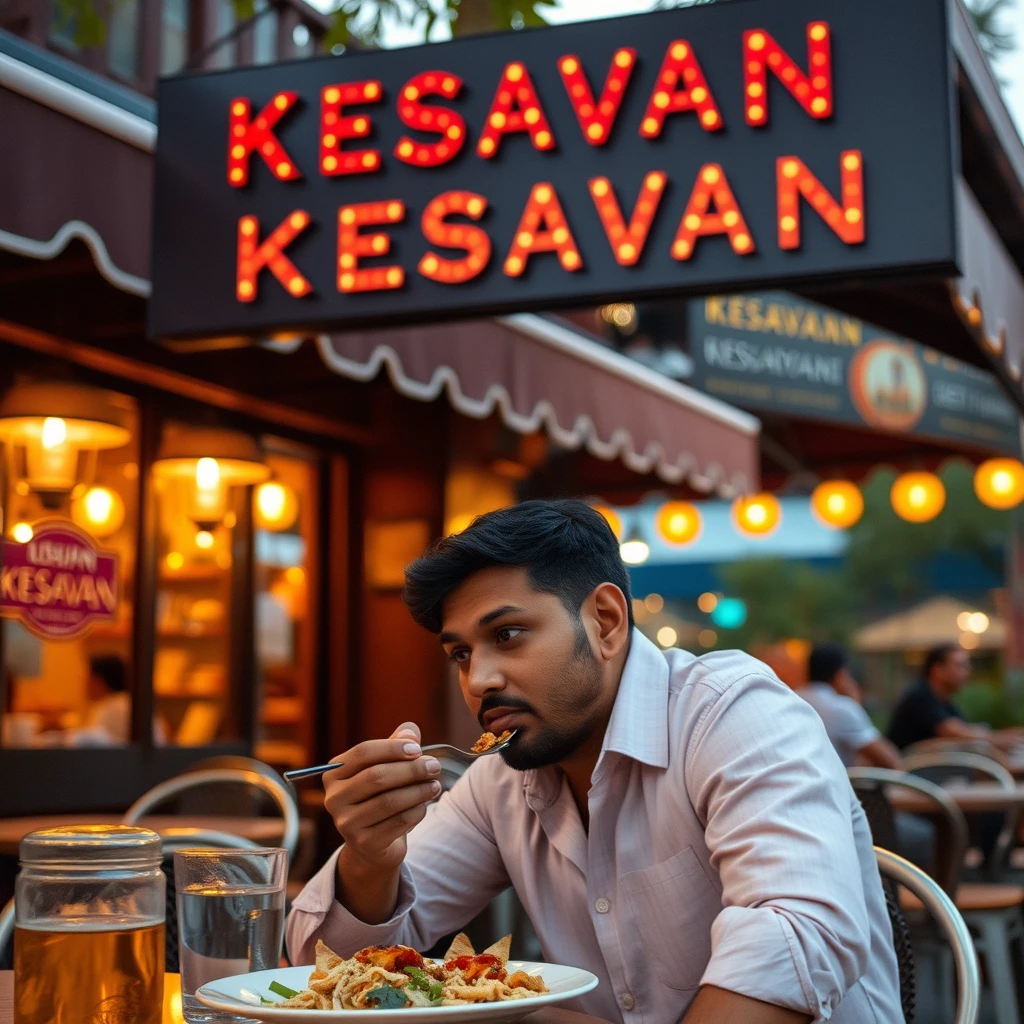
x,y
241,995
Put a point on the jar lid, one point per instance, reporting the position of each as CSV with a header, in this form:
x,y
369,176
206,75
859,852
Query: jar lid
x,y
92,845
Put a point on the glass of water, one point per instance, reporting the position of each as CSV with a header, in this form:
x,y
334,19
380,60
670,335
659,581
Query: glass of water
x,y
230,919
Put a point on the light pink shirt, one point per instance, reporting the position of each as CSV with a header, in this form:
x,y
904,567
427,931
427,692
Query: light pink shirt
x,y
726,847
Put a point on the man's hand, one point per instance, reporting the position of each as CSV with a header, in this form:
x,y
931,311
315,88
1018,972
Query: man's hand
x,y
717,1006
378,797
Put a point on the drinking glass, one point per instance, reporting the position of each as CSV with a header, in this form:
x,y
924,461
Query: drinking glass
x,y
230,919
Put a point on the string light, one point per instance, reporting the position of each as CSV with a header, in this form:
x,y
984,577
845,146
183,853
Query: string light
x,y
667,637
837,503
999,483
254,256
794,180
276,506
100,510
515,108
757,515
246,137
352,246
699,220
813,91
917,497
22,532
628,242
542,228
681,86
596,117
448,124
436,230
336,127
678,522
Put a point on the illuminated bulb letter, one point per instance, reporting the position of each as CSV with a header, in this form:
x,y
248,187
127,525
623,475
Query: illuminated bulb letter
x,y
246,137
352,245
335,127
475,241
795,180
253,256
597,117
680,86
699,219
628,243
543,228
447,123
515,108
813,91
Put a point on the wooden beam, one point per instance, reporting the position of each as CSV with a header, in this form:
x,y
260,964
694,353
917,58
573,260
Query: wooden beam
x,y
180,384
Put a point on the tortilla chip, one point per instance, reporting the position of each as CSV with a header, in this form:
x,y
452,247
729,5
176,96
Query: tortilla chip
x,y
326,958
501,949
461,946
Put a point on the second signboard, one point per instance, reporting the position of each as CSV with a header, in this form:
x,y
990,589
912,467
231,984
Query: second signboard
x,y
693,150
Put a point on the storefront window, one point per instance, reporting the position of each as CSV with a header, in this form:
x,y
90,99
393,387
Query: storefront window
x,y
122,38
69,510
173,36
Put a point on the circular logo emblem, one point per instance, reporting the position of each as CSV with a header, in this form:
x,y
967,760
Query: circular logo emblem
x,y
888,385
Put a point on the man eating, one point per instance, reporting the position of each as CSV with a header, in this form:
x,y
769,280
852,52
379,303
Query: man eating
x,y
679,826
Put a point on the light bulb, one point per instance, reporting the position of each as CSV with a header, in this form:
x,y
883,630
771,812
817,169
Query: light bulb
x,y
55,432
634,552
207,474
22,533
204,540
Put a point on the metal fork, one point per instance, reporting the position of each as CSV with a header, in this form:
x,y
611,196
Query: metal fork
x,y
466,757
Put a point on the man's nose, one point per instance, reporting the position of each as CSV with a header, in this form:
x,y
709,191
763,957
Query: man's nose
x,y
484,676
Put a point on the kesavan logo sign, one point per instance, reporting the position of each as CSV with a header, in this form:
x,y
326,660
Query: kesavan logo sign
x,y
680,151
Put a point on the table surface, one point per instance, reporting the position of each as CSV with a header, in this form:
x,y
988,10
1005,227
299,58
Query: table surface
x,y
971,798
172,1005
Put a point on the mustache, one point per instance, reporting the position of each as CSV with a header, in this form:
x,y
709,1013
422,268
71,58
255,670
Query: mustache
x,y
497,700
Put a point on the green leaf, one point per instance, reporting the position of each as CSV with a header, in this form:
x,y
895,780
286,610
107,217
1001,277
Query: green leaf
x,y
282,990
387,998
244,9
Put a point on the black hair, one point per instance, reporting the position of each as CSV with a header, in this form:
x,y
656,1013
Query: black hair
x,y
825,662
110,668
566,547
936,656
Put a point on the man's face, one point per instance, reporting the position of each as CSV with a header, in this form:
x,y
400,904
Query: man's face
x,y
524,663
953,671
845,684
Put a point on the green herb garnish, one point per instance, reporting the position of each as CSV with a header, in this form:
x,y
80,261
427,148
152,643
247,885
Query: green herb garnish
x,y
386,998
282,990
422,982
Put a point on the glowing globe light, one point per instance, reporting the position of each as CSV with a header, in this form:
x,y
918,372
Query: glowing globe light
x,y
917,497
204,540
667,636
707,602
100,511
837,503
634,551
277,506
678,522
757,515
999,483
54,433
22,532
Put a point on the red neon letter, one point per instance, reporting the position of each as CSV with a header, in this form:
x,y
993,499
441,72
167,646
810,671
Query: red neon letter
x,y
352,245
726,218
543,210
596,119
515,108
795,180
334,128
761,53
475,241
668,98
628,243
253,256
447,123
246,137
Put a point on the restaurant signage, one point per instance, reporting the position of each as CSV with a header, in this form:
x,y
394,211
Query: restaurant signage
x,y
775,352
59,583
691,150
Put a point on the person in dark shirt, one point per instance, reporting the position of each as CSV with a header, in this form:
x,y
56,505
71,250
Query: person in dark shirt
x,y
925,711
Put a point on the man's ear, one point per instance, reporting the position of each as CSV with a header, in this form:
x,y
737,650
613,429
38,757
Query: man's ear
x,y
610,612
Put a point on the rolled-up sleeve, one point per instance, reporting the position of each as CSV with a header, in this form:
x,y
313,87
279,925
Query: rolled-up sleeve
x,y
776,803
451,871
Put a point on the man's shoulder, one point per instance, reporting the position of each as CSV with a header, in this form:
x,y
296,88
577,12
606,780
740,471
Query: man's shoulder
x,y
717,672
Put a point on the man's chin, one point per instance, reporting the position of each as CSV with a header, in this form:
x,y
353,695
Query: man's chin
x,y
533,749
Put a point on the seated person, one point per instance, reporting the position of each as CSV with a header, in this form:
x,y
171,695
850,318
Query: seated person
x,y
836,696
677,825
108,720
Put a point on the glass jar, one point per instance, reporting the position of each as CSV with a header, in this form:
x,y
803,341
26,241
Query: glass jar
x,y
89,927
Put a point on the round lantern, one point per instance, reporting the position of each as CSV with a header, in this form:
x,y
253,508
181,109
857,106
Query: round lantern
x,y
100,511
757,515
678,522
837,503
917,497
999,483
276,506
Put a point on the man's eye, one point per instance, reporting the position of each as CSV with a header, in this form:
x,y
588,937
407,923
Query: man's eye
x,y
507,633
460,654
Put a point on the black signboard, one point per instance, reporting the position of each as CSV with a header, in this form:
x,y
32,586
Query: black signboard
x,y
779,353
718,146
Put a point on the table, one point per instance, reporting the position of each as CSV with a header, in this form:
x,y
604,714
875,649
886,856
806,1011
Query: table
x,y
971,798
172,1005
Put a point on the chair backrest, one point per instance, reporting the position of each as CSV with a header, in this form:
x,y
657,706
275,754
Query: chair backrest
x,y
191,780
943,911
937,745
951,833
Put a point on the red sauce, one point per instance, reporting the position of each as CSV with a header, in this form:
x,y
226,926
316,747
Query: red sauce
x,y
394,958
463,963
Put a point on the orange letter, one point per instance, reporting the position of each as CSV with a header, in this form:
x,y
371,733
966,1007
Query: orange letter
x,y
726,218
515,108
761,52
334,128
795,180
447,123
628,243
252,259
542,208
247,136
597,119
668,98
352,245
475,241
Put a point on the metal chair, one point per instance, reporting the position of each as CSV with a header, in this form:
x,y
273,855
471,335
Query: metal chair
x,y
944,913
937,745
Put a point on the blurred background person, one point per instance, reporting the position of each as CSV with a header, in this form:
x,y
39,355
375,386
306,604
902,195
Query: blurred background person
x,y
108,719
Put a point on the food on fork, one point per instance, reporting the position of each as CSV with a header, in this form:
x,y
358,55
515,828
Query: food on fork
x,y
396,977
488,741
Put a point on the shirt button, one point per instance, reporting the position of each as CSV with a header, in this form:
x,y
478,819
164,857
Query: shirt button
x,y
601,905
628,1001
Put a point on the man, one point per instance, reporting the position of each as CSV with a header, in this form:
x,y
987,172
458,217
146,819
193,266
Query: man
x,y
679,826
836,696
108,719
925,712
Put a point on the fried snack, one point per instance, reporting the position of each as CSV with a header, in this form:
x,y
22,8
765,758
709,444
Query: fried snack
x,y
488,741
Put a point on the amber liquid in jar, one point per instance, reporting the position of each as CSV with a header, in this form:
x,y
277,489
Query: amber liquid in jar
x,y
78,976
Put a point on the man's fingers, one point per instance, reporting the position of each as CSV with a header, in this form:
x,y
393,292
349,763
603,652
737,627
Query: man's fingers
x,y
407,730
384,833
369,813
373,752
379,778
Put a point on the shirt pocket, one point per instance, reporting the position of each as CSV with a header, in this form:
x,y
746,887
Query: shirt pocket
x,y
673,906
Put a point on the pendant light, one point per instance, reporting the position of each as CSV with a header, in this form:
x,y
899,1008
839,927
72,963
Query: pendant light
x,y
757,515
678,523
837,503
917,497
999,483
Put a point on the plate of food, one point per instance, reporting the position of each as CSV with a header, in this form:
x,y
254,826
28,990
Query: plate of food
x,y
391,984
